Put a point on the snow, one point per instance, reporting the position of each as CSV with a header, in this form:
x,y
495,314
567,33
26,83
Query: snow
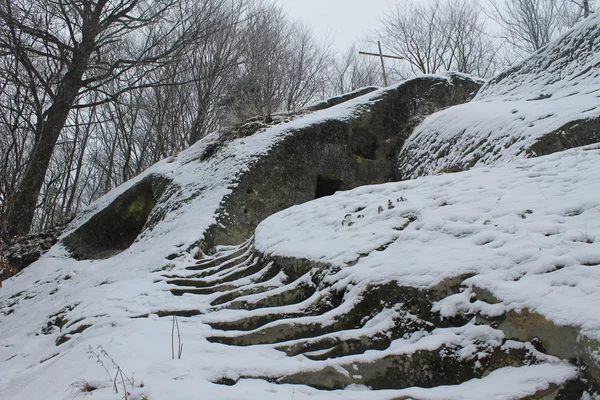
x,y
558,85
530,233
115,303
505,223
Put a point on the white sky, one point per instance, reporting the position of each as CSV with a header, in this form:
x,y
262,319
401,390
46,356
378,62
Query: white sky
x,y
346,20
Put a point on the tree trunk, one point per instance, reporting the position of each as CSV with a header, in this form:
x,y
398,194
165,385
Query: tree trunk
x,y
197,127
69,207
22,210
586,8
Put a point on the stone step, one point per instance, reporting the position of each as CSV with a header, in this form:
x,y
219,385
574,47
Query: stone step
x,y
380,336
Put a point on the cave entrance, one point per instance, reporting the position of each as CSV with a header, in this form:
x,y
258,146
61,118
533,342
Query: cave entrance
x,y
116,227
364,144
326,186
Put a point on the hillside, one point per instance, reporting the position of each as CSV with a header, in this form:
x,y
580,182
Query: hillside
x,y
119,251
549,102
284,259
496,244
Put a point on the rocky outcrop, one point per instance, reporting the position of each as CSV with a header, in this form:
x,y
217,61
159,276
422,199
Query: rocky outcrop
x,y
22,251
337,154
381,336
115,227
476,285
342,143
438,287
549,102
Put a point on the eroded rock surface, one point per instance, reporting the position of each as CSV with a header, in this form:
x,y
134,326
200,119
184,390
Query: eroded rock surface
x,y
549,102
21,251
115,228
384,336
337,154
261,167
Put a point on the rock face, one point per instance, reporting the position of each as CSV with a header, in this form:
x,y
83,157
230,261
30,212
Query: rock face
x,y
115,227
25,250
476,285
381,336
334,155
500,245
549,102
343,143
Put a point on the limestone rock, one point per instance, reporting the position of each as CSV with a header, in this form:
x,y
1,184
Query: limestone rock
x,y
263,167
547,103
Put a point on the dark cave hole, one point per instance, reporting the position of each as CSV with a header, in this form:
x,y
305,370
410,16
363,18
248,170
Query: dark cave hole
x,y
326,186
365,146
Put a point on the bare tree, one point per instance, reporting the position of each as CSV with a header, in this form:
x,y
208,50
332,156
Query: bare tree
x,y
528,25
413,31
440,36
580,9
209,64
72,126
350,71
576,10
471,48
62,183
256,89
63,49
305,67
16,136
282,66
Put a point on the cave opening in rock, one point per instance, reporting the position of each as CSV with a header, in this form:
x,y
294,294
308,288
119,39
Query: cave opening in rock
x,y
327,186
364,144
116,227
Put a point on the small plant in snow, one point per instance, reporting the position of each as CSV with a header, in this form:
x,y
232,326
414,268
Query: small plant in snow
x,y
82,386
115,374
179,344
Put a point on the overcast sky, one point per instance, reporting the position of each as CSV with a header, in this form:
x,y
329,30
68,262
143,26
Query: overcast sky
x,y
346,20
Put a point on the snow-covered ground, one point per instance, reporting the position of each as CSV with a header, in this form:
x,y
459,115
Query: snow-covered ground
x,y
529,232
558,85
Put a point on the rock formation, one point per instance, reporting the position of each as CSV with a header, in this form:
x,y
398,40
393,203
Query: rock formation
x,y
340,144
289,259
549,102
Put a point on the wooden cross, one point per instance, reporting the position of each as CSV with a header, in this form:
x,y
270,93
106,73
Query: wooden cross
x,y
381,57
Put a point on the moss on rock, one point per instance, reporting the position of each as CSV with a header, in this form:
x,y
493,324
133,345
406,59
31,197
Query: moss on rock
x,y
116,227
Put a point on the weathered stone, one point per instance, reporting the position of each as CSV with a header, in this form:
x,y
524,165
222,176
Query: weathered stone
x,y
339,335
341,99
116,227
309,162
562,341
334,155
566,342
546,103
574,134
21,251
